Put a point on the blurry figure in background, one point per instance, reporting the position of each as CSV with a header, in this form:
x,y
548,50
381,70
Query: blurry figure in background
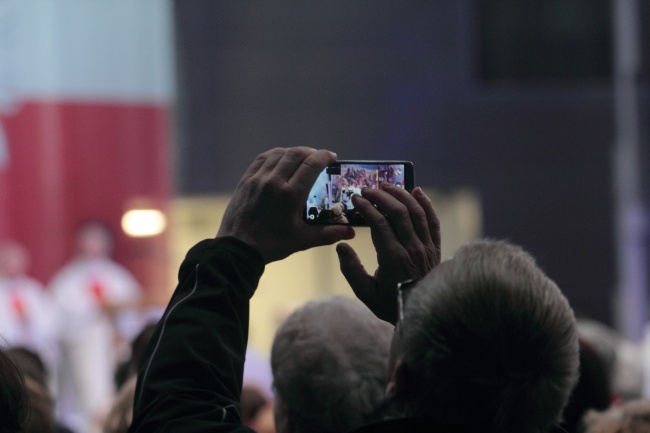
x,y
40,417
120,416
632,417
27,313
251,402
40,413
623,358
93,294
129,367
592,392
257,372
330,362
254,408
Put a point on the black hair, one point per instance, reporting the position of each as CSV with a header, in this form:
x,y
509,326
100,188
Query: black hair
x,y
13,396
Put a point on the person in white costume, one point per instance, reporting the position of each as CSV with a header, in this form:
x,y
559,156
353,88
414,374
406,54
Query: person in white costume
x,y
27,314
91,292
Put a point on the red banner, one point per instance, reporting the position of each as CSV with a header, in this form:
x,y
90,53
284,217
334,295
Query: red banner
x,y
69,162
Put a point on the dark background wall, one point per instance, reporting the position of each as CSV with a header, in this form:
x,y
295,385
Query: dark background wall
x,y
513,100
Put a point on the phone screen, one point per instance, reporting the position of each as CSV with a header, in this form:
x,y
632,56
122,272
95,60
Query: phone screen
x,y
330,199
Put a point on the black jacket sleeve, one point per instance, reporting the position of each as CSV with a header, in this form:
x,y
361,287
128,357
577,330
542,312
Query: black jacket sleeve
x,y
191,376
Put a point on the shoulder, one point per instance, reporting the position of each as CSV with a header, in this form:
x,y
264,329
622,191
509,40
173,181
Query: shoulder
x,y
30,284
66,272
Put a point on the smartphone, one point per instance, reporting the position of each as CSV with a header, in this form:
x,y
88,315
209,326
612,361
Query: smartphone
x,y
330,199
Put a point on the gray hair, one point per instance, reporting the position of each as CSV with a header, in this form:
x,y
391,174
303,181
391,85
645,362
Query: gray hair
x,y
329,362
490,342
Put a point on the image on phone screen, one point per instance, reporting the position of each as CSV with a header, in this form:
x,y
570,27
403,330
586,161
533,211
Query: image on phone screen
x,y
330,199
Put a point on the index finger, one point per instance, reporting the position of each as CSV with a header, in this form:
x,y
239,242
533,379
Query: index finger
x,y
400,214
309,169
261,159
290,160
418,213
383,235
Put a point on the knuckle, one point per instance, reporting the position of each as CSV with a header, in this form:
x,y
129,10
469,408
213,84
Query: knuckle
x,y
254,183
419,213
297,154
402,212
270,152
418,255
402,256
383,224
280,187
310,164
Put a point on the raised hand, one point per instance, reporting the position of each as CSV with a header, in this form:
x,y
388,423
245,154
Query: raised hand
x,y
406,234
266,208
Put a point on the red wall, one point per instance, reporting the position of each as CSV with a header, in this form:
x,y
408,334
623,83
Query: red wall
x,y
72,161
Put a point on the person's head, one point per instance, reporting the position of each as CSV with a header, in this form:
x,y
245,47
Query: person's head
x,y
487,342
14,259
14,400
251,402
130,366
120,417
591,392
94,240
29,363
39,418
329,361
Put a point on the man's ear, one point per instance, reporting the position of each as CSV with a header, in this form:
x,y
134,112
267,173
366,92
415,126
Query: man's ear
x,y
398,384
282,421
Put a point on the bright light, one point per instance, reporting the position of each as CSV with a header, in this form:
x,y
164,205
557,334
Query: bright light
x,y
143,222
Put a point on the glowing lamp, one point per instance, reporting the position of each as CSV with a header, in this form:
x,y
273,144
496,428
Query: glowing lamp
x,y
143,222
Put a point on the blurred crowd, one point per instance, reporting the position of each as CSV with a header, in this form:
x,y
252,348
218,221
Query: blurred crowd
x,y
77,340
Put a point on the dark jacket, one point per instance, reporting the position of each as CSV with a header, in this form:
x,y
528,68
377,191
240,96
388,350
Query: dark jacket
x,y
191,376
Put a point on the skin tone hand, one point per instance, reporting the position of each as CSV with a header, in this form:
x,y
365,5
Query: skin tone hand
x,y
405,231
266,208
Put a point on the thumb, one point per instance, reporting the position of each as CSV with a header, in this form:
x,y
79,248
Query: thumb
x,y
353,271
